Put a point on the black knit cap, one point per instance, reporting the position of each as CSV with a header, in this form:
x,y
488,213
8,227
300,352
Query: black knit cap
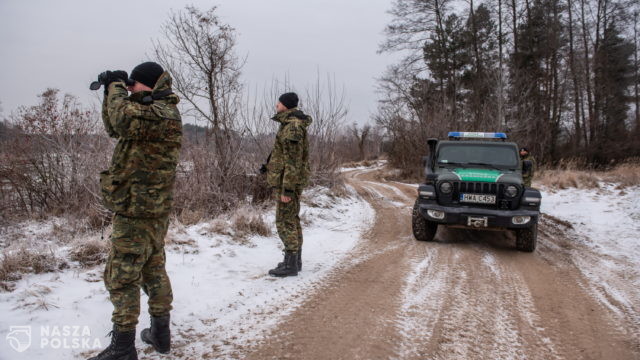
x,y
289,100
524,148
147,73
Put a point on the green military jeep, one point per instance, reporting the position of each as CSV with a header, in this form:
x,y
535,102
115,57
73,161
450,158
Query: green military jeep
x,y
474,181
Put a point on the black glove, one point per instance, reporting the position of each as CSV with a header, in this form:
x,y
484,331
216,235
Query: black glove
x,y
263,169
117,75
107,77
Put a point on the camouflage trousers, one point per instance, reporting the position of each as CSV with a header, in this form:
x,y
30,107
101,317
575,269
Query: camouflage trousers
x,y
527,181
288,222
137,259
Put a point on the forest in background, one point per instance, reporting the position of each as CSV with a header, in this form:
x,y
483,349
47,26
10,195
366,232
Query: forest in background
x,y
559,76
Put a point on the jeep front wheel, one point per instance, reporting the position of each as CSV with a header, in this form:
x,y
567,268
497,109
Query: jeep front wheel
x,y
526,239
423,229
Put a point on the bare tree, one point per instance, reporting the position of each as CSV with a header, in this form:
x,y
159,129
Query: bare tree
x,y
327,106
361,135
199,52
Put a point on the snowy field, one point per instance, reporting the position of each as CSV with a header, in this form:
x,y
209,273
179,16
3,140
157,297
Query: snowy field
x,y
606,232
223,299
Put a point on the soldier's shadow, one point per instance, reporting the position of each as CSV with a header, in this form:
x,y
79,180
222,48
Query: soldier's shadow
x,y
503,240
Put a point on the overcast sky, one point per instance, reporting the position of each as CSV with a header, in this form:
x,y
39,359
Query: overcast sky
x,y
65,43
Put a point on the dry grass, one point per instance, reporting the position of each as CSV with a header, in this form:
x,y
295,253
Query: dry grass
x,y
402,175
219,226
89,253
35,298
569,176
240,224
247,220
339,190
626,174
564,179
23,260
191,217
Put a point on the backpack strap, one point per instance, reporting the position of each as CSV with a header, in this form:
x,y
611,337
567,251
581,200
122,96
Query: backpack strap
x,y
149,99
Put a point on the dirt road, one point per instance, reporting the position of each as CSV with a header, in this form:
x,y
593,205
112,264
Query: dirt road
x,y
464,296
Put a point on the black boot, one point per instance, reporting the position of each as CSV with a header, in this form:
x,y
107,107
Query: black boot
x,y
159,334
281,264
122,347
289,268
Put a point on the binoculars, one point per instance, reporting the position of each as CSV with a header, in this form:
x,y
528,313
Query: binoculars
x,y
103,78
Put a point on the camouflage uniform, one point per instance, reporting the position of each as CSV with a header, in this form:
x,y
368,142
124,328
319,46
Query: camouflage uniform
x,y
288,173
528,177
137,187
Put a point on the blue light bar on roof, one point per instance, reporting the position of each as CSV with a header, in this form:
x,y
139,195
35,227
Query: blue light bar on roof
x,y
477,135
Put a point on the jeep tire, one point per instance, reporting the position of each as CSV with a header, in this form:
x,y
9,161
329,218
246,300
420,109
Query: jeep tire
x,y
527,238
423,229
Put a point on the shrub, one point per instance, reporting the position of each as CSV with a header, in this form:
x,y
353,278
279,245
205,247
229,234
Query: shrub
x,y
89,253
247,221
37,260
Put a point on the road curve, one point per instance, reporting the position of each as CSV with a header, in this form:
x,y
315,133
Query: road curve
x,y
467,295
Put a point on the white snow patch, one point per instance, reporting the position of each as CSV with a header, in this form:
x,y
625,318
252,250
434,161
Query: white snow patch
x,y
607,221
421,304
223,298
490,261
379,164
385,201
394,189
608,218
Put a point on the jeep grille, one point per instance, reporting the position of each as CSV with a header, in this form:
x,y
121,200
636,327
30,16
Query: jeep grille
x,y
459,187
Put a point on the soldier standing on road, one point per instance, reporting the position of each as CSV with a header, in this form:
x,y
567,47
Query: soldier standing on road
x,y
528,166
137,188
287,175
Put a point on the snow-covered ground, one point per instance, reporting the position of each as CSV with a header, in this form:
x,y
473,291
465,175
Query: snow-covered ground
x,y
606,229
608,217
376,165
223,299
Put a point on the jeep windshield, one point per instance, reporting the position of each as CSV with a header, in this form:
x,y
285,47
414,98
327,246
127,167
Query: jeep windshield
x,y
502,156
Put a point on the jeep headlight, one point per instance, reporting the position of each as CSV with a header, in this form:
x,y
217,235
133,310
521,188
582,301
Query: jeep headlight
x,y
511,191
446,188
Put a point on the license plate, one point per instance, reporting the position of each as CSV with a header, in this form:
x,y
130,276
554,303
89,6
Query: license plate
x,y
478,198
478,221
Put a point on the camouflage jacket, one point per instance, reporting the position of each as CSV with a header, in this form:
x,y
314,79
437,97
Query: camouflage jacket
x,y
528,176
140,179
288,168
